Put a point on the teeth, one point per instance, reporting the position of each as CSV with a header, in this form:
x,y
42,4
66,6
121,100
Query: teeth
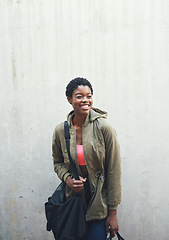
x,y
85,106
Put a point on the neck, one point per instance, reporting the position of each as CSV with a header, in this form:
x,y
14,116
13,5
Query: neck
x,y
78,120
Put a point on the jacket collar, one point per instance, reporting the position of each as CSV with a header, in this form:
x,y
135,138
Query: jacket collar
x,y
92,116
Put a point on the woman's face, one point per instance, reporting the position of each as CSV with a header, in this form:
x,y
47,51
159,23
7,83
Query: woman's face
x,y
81,100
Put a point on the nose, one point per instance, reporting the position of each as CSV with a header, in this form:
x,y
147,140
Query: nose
x,y
84,99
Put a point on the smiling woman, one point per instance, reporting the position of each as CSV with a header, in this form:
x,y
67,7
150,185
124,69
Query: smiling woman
x,y
95,151
82,102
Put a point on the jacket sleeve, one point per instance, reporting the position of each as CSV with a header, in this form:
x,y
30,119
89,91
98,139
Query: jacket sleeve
x,y
112,167
58,160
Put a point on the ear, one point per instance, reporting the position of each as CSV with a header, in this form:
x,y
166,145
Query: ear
x,y
69,100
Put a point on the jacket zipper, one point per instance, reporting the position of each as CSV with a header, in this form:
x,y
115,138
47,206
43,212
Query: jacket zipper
x,y
94,194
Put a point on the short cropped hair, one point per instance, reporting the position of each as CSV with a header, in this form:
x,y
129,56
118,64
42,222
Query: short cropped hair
x,y
74,83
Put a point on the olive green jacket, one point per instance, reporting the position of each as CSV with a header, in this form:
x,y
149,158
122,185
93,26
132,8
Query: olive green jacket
x,y
102,155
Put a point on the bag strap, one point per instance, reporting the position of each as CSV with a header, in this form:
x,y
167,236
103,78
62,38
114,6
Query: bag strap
x,y
67,139
118,236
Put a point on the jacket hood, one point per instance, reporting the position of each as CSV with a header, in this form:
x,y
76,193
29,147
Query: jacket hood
x,y
97,113
93,115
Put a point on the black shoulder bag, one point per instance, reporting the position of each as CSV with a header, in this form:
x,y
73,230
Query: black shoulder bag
x,y
66,218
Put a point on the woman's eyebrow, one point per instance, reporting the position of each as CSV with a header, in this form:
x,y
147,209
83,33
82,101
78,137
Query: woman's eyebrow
x,y
82,93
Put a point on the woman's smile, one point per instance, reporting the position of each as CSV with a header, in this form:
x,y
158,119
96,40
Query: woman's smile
x,y
85,106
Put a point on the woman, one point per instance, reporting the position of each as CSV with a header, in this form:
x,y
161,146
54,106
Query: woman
x,y
95,150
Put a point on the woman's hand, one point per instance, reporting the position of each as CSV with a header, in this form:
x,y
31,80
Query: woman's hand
x,y
75,185
111,223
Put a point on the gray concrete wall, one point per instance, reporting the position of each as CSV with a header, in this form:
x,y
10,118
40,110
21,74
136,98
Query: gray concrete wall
x,y
122,47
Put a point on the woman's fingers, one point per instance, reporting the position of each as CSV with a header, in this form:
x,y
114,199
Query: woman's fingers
x,y
77,185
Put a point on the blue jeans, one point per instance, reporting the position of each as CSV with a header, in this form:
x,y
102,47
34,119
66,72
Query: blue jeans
x,y
96,230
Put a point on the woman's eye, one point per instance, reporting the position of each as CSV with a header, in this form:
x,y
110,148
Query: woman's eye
x,y
89,96
79,97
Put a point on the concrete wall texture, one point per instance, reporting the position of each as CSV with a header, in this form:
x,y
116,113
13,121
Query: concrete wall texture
x,y
122,47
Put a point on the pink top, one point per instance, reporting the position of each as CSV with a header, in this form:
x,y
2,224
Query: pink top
x,y
80,155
